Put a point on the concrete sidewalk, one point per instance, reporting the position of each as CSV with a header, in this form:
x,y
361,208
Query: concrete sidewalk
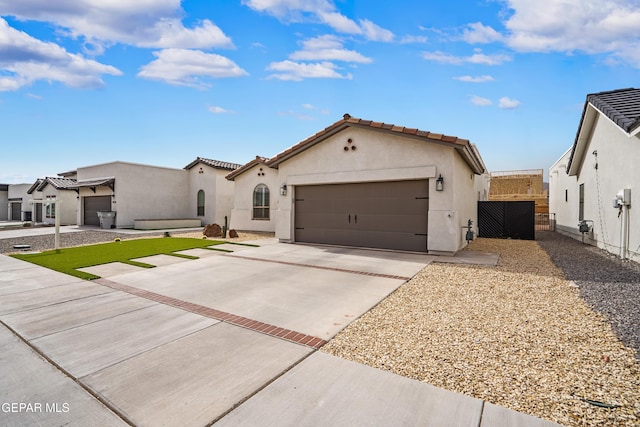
x,y
228,338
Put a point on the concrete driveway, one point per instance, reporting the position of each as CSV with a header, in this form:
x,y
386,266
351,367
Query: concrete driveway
x,y
228,338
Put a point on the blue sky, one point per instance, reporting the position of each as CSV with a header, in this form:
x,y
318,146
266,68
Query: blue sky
x,y
162,82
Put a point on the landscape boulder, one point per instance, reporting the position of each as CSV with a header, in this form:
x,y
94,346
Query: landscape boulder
x,y
233,234
212,230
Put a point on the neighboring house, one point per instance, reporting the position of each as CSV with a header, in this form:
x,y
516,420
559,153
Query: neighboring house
x,y
256,185
522,185
4,202
18,208
51,197
365,184
210,194
592,183
143,192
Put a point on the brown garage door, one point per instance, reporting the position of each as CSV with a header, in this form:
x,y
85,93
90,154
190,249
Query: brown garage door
x,y
91,207
388,215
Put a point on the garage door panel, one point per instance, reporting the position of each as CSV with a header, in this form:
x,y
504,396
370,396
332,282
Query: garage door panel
x,y
392,223
392,240
390,215
91,207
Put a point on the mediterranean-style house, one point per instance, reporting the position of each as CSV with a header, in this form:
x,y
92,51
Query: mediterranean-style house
x,y
138,196
365,184
591,185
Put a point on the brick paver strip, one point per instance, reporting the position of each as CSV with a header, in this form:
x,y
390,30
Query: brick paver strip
x,y
243,322
342,270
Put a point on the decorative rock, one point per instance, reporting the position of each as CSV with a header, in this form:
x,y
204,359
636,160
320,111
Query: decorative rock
x,y
233,234
212,230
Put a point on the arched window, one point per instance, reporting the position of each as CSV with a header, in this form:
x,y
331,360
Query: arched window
x,y
201,203
261,202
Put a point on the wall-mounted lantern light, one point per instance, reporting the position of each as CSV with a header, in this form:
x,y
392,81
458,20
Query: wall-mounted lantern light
x,y
283,190
440,183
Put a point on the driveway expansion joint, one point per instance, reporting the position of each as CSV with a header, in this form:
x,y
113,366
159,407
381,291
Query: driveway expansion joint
x,y
341,270
240,321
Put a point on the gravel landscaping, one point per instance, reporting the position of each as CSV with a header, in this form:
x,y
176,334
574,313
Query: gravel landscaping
x,y
518,335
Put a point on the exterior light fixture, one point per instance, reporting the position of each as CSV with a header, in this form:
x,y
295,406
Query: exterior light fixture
x,y
283,190
440,183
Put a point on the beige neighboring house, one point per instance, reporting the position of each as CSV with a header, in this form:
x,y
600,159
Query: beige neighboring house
x,y
365,184
18,207
137,192
593,182
51,197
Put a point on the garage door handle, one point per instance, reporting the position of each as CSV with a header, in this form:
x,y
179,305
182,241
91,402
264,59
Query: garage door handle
x,y
356,218
349,218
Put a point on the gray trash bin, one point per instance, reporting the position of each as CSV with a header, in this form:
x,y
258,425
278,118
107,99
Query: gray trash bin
x,y
107,219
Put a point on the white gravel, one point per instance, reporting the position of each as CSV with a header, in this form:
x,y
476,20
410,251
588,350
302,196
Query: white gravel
x,y
517,335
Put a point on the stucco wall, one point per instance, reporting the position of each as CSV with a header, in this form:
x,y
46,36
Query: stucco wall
x,y
19,191
563,196
616,160
142,191
242,212
66,209
381,157
4,205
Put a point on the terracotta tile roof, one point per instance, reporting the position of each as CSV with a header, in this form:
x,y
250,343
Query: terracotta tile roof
x,y
462,145
95,182
216,164
242,169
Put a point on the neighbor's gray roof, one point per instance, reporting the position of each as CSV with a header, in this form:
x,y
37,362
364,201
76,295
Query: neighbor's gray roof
x,y
58,183
621,106
217,164
95,182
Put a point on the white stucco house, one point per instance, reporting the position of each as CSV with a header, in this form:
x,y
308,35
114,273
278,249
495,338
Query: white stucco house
x,y
138,192
593,182
365,184
18,207
51,197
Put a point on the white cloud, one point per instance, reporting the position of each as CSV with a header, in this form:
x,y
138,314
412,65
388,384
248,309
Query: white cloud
x,y
295,71
187,67
314,108
143,23
590,26
476,79
24,60
218,110
323,11
479,33
374,32
508,103
477,58
480,101
413,39
327,48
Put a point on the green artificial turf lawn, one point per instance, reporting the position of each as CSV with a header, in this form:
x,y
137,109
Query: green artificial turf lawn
x,y
67,260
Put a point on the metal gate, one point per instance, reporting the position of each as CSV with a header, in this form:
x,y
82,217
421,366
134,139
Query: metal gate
x,y
512,220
